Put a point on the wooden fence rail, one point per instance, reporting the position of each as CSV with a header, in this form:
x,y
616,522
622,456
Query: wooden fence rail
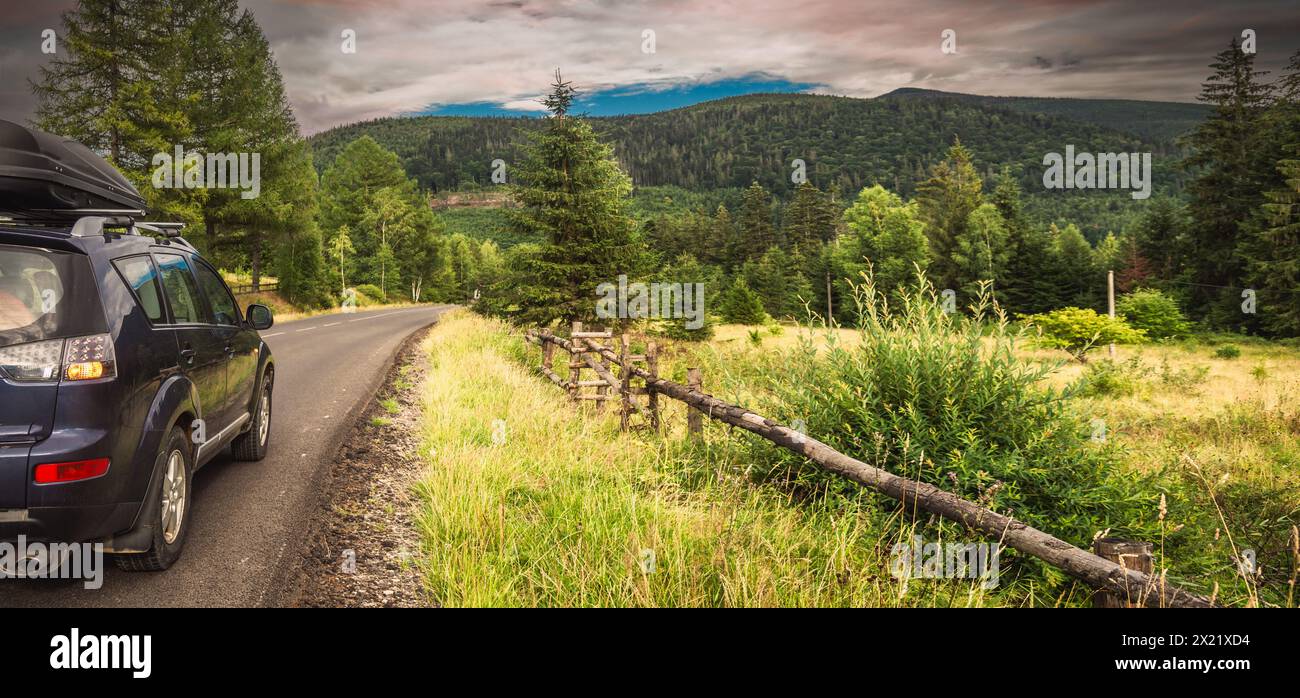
x,y
1119,584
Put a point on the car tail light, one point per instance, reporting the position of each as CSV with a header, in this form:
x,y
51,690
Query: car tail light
x,y
50,473
37,361
88,358
76,359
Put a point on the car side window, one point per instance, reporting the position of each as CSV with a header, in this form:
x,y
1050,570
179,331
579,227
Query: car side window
x,y
182,293
142,278
223,306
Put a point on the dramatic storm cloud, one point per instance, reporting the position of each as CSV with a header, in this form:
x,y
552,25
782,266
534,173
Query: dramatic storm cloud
x,y
415,56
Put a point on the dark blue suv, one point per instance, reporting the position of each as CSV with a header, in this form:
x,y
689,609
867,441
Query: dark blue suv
x,y
125,364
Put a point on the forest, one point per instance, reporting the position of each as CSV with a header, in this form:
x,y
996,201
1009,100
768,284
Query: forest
x,y
777,203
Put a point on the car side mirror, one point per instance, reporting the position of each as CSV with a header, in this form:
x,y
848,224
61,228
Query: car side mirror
x,y
260,317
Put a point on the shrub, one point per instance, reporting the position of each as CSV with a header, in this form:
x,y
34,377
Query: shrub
x,y
1107,378
742,306
944,398
371,292
1185,379
675,328
1155,312
1078,330
1228,351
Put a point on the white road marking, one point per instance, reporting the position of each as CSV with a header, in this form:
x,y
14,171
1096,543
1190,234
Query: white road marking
x,y
306,329
277,334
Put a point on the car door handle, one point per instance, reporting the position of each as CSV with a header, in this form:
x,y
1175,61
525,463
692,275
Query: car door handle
x,y
188,355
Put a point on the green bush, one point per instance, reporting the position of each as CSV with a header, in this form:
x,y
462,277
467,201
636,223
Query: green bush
x,y
1107,378
371,292
675,328
1155,312
1187,380
944,398
1078,330
1228,351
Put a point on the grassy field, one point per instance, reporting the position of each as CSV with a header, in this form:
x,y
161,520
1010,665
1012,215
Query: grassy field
x,y
563,510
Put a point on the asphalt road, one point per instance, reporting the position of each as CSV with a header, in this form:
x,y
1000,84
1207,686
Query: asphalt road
x,y
249,517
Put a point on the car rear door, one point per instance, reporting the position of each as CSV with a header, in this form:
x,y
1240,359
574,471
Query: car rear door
x,y
46,296
201,343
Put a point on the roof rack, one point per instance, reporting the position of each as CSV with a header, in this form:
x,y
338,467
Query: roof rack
x,y
88,222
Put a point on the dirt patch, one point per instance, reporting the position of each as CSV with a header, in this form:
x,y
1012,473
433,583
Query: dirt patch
x,y
362,540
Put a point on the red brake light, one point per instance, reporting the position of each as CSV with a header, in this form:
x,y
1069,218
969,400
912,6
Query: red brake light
x,y
49,473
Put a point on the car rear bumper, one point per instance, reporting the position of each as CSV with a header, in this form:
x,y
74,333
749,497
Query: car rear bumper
x,y
71,524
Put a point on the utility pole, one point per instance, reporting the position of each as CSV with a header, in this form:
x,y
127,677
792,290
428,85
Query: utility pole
x,y
828,297
1110,303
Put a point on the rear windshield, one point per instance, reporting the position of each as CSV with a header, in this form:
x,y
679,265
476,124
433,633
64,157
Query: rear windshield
x,y
46,295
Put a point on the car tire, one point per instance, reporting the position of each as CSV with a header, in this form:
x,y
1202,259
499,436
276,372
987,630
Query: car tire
x,y
167,508
252,445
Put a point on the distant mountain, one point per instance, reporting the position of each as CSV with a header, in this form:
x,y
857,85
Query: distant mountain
x,y
1158,121
845,142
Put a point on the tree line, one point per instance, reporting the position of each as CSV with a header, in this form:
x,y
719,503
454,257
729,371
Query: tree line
x,y
1228,251
135,79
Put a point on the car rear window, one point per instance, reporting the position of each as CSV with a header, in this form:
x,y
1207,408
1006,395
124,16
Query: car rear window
x,y
140,276
46,294
182,294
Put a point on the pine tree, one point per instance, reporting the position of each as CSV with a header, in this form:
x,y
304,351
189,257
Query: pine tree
x,y
1134,270
981,251
1025,287
946,201
572,193
755,231
1271,250
808,218
740,305
1076,273
722,239
1230,158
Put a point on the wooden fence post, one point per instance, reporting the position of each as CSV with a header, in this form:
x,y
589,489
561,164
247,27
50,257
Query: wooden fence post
x,y
652,399
602,391
694,420
1133,555
625,404
575,361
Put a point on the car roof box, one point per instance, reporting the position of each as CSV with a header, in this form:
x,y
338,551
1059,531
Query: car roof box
x,y
46,173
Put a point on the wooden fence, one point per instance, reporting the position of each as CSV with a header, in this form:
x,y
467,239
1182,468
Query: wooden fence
x,y
1120,571
243,289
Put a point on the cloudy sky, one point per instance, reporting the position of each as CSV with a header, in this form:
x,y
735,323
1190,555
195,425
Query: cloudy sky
x,y
477,56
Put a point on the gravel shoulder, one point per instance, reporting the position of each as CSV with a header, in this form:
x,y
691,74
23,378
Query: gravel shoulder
x,y
362,538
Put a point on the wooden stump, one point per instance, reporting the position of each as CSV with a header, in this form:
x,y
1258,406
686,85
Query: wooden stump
x,y
1133,555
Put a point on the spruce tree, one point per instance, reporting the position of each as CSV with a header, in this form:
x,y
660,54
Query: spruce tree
x,y
754,228
1025,286
572,193
946,201
1229,156
808,219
